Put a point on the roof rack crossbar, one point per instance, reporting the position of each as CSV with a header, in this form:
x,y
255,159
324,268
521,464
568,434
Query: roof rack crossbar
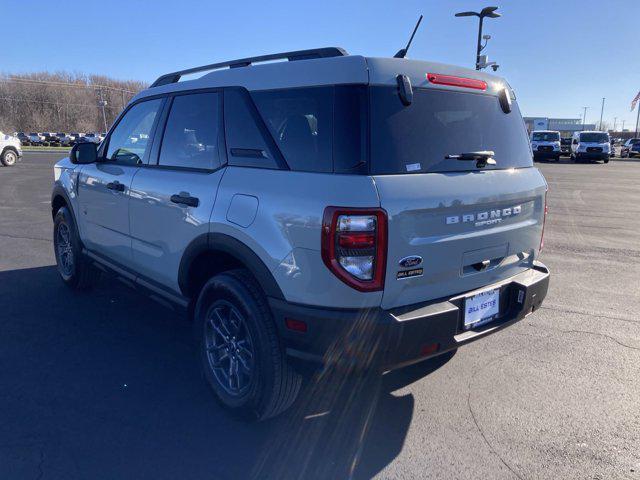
x,y
245,62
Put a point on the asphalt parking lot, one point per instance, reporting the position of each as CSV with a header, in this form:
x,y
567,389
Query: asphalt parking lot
x,y
104,384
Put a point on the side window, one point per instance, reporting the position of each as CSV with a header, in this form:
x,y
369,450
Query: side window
x,y
248,143
191,134
130,140
301,122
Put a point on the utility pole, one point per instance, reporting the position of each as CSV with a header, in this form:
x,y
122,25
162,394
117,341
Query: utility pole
x,y
103,104
584,117
601,112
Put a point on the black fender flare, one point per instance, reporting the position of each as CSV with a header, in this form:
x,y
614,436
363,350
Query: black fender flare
x,y
233,247
59,191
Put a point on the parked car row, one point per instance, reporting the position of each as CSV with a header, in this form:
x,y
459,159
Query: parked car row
x,y
586,145
57,139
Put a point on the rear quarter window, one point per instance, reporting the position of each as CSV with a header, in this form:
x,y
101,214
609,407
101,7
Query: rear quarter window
x,y
318,129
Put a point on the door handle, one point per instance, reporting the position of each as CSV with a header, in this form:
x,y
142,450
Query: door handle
x,y
483,265
184,198
117,186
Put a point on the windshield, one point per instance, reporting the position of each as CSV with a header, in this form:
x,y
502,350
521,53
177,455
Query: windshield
x,y
418,137
594,137
545,136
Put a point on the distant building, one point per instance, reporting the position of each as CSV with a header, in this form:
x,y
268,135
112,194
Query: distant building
x,y
566,126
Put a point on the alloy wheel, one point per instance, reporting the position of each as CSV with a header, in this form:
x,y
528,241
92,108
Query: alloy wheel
x,y
229,348
65,249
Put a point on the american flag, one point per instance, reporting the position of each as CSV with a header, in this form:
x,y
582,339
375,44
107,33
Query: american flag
x,y
635,101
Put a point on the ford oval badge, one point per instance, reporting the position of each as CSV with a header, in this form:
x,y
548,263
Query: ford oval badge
x,y
410,261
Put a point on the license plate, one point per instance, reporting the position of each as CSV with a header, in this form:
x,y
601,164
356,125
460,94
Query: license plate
x,y
481,308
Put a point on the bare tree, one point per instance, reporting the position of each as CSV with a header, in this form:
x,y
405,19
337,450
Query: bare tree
x,y
62,101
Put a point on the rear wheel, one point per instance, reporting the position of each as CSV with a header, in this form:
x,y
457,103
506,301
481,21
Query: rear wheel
x,y
73,267
9,157
240,352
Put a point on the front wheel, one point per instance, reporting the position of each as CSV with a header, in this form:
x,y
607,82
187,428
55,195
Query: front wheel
x,y
9,158
72,265
241,355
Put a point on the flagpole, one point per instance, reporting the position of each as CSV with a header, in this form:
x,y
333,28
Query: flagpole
x,y
637,119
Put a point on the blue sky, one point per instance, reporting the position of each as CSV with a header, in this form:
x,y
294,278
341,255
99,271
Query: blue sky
x,y
559,55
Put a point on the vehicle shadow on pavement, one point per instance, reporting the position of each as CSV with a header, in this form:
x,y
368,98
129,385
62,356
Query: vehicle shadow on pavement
x,y
105,384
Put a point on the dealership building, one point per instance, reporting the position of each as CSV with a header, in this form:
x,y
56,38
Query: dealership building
x,y
566,126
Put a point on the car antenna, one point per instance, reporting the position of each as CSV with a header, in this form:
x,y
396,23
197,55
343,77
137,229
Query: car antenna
x,y
403,51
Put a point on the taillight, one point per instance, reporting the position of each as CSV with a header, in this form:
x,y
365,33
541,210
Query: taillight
x,y
453,81
354,246
544,220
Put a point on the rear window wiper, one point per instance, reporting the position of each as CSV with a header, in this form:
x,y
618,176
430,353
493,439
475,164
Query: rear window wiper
x,y
482,158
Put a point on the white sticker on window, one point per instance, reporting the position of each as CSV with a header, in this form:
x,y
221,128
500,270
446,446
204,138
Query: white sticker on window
x,y
413,167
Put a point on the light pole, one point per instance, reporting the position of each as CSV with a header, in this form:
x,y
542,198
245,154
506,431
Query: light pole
x,y
601,112
485,12
584,117
615,122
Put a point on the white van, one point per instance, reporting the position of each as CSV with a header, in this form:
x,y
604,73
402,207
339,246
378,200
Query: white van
x,y
546,144
590,145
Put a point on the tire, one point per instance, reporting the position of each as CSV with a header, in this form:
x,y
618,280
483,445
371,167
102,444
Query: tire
x,y
232,313
9,157
73,267
606,160
558,158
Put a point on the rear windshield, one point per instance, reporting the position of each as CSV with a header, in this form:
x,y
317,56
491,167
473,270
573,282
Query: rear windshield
x,y
594,137
418,137
545,136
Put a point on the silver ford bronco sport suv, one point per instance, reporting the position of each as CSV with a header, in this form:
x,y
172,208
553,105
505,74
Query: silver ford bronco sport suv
x,y
325,209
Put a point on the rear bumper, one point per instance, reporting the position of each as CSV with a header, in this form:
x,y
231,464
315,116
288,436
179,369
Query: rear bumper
x,y
389,339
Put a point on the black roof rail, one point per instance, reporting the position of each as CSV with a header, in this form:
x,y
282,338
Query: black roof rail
x,y
245,62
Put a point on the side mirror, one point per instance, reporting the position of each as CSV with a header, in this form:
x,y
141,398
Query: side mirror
x,y
83,153
575,141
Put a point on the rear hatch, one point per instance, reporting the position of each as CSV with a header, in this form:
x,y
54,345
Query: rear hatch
x,y
470,225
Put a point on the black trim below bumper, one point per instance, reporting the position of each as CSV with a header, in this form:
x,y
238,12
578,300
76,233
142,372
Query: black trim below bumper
x,y
592,156
389,339
546,154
